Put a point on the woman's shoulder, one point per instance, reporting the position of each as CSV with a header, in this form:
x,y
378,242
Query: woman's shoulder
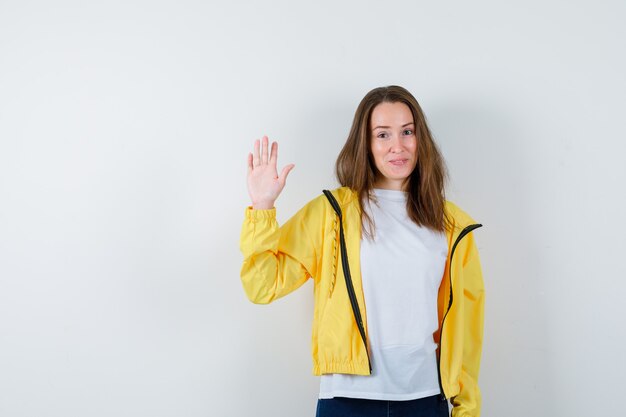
x,y
343,195
460,216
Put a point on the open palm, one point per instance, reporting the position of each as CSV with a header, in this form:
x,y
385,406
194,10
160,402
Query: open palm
x,y
264,183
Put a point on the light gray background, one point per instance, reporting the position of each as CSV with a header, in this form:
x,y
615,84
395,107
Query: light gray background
x,y
124,129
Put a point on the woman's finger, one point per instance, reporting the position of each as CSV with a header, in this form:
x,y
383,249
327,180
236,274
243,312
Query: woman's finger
x,y
274,153
250,166
285,172
264,151
256,158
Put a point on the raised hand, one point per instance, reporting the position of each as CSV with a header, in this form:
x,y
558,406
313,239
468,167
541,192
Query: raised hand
x,y
264,183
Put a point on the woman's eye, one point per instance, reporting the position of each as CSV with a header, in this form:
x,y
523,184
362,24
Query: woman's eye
x,y
382,135
408,132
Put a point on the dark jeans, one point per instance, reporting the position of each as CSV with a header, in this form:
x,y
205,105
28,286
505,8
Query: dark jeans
x,y
354,407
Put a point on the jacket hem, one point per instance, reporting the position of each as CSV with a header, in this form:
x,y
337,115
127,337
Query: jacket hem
x,y
353,368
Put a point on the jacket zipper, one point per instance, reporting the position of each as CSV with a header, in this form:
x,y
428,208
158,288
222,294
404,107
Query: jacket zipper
x,y
346,272
463,233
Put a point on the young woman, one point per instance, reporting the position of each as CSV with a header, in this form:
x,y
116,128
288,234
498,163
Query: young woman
x,y
398,319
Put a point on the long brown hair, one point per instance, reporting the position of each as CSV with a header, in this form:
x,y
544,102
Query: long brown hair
x,y
355,166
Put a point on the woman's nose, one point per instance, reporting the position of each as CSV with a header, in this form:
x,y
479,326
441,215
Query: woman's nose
x,y
395,144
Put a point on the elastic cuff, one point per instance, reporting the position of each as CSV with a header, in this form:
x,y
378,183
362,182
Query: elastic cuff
x,y
252,214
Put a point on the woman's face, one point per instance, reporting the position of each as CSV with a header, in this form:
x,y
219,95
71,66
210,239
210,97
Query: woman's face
x,y
393,144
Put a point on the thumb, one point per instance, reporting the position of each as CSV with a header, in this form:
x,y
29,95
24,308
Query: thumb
x,y
285,172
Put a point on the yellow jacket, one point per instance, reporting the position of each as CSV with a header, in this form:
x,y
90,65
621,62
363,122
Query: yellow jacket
x,y
278,260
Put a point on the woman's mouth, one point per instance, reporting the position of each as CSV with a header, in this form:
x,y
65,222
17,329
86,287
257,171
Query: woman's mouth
x,y
398,162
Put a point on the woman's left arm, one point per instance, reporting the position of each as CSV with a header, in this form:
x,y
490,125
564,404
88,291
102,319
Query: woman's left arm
x,y
468,401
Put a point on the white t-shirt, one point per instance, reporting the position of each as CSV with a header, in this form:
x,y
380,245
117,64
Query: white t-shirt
x,y
401,271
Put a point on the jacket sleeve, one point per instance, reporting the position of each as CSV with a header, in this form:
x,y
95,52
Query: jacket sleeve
x,y
277,260
468,401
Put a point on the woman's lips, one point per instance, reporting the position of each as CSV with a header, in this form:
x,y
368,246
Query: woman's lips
x,y
398,162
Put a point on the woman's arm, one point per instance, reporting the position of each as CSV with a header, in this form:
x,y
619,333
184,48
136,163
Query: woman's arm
x,y
468,401
277,260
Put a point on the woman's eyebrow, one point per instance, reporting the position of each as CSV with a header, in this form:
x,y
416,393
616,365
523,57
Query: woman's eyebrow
x,y
389,127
